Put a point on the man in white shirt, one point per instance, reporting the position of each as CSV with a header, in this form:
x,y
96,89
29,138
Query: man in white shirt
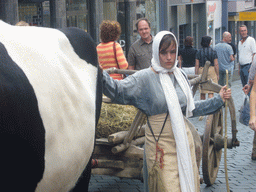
x,y
246,51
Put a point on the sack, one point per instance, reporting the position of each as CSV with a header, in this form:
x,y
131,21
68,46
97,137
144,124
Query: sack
x,y
154,179
245,112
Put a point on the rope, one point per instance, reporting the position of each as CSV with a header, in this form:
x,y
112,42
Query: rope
x,y
225,139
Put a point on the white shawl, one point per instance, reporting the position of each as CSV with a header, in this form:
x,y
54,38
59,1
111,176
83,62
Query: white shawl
x,y
185,167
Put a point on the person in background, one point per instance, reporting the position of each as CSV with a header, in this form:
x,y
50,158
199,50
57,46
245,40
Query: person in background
x,y
110,53
187,56
225,58
251,88
246,52
234,55
163,93
140,52
252,122
252,72
206,53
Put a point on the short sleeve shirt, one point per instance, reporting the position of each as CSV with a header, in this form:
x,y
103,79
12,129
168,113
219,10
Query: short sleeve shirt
x,y
224,50
140,54
206,54
246,50
188,55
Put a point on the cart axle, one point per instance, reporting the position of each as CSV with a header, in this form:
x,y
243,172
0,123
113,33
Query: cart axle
x,y
219,142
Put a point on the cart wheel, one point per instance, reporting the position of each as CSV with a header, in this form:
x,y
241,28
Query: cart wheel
x,y
211,153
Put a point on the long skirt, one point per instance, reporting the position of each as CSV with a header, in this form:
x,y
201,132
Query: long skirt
x,y
168,178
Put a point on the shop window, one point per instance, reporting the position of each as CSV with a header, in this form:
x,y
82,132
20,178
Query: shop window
x,y
110,8
32,13
182,35
195,36
217,36
127,13
140,9
77,14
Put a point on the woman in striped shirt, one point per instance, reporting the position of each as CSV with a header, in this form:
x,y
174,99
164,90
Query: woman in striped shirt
x,y
110,53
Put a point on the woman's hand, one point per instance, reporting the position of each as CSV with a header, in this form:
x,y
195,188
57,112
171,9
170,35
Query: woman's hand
x,y
225,93
252,123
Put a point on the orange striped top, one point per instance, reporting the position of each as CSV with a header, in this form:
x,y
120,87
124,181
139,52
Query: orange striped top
x,y
107,57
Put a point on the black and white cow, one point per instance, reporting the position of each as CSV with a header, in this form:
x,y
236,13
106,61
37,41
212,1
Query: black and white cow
x,y
50,98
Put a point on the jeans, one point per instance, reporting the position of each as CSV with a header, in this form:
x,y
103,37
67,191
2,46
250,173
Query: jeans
x,y
244,73
222,78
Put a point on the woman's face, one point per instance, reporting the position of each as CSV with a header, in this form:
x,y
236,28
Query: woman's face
x,y
167,57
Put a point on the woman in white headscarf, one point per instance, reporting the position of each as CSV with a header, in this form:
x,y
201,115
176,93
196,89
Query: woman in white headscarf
x,y
162,92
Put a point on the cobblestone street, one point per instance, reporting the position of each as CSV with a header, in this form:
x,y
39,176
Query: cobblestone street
x,y
241,169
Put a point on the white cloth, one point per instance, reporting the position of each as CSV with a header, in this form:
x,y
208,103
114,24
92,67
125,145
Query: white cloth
x,y
246,50
185,167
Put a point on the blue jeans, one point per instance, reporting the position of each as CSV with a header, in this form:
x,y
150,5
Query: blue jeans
x,y
244,73
222,78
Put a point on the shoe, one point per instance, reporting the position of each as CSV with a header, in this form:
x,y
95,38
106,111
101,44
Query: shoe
x,y
201,118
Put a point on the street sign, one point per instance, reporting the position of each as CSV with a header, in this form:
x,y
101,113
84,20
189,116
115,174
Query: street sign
x,y
247,16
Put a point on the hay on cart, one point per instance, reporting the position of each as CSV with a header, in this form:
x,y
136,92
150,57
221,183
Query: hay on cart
x,y
115,118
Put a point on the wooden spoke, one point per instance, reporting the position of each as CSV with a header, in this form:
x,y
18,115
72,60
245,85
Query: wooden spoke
x,y
211,156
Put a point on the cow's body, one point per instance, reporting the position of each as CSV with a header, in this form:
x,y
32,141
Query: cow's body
x,y
48,85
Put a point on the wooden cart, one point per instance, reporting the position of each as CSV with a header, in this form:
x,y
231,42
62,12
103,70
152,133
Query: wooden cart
x,y
121,154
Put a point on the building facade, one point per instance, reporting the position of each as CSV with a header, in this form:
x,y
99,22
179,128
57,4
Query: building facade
x,y
194,18
187,18
85,14
183,17
241,12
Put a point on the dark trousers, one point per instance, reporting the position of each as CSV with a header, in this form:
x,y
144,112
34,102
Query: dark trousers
x,y
244,73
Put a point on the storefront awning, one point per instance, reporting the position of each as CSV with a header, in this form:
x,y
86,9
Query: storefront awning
x,y
247,16
243,16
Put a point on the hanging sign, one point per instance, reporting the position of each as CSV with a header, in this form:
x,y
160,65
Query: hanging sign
x,y
247,16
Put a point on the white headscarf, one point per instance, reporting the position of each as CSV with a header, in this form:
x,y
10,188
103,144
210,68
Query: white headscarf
x,y
185,166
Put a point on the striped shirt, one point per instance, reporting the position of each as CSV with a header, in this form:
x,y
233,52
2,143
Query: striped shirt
x,y
206,54
107,57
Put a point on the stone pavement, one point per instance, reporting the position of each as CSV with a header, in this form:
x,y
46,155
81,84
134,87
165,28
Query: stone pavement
x,y
241,169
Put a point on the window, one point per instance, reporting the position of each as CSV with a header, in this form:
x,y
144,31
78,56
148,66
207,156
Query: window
x,y
77,14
